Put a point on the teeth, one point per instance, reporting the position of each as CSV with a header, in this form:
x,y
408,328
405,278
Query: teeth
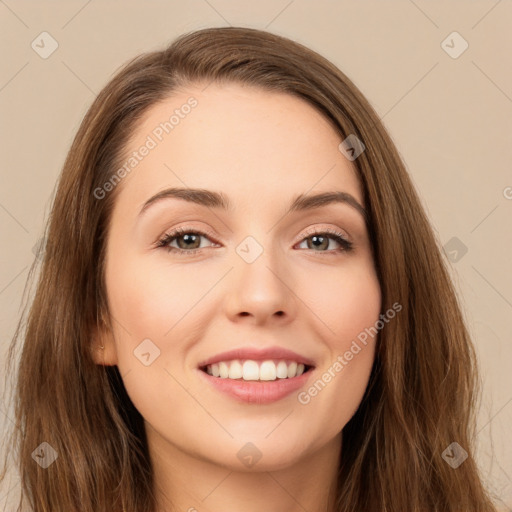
x,y
235,370
268,370
253,370
292,369
223,370
282,370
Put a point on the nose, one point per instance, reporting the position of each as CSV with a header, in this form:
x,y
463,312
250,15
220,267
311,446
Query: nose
x,y
262,291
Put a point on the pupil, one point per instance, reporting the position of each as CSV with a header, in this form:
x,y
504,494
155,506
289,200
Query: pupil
x,y
316,238
188,238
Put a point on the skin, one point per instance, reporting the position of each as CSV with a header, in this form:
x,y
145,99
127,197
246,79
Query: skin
x,y
260,149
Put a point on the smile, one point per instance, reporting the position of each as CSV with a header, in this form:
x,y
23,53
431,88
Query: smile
x,y
250,370
255,382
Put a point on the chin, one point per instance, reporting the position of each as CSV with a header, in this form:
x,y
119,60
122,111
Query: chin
x,y
259,453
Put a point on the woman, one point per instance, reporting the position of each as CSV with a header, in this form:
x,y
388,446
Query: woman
x,y
189,348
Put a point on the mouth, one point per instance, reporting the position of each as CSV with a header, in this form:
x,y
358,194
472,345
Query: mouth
x,y
256,376
250,370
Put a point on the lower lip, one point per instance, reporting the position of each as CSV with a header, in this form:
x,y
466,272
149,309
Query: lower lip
x,y
255,391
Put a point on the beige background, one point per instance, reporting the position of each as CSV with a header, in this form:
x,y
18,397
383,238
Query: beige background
x,y
451,119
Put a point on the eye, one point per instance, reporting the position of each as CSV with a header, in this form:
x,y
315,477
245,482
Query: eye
x,y
320,239
188,240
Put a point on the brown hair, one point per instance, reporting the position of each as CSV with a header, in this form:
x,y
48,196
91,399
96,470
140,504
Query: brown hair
x,y
422,389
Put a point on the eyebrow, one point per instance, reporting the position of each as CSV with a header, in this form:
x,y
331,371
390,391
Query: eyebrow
x,y
212,199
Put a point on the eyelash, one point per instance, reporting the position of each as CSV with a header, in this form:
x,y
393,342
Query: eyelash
x,y
346,245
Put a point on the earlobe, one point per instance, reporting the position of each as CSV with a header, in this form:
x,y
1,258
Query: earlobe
x,y
103,348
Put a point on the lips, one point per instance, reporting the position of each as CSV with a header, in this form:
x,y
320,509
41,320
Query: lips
x,y
257,387
256,392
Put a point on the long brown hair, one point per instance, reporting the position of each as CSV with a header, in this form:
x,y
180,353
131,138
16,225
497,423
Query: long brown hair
x,y
422,392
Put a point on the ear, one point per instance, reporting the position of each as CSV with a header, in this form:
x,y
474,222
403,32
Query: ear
x,y
102,336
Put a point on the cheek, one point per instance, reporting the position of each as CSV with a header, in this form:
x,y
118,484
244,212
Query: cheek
x,y
349,305
345,301
151,302
151,298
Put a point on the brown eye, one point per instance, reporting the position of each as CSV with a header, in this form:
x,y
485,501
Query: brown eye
x,y
188,241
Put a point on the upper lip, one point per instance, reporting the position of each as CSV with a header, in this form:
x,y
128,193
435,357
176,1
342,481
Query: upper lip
x,y
258,354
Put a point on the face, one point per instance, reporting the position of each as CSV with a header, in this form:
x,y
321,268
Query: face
x,y
251,282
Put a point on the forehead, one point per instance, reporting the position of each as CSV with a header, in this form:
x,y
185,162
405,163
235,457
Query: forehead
x,y
248,142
